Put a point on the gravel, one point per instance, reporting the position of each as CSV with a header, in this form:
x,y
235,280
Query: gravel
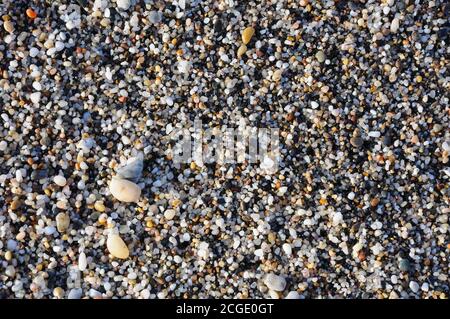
x,y
94,205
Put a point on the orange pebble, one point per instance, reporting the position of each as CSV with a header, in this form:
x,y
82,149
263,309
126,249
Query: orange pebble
x,y
31,13
122,99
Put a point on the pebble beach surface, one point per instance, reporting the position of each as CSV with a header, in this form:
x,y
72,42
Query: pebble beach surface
x,y
93,206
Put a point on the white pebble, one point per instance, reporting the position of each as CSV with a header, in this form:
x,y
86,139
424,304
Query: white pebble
x,y
82,262
293,295
60,180
275,282
395,24
287,248
414,286
123,4
35,97
169,214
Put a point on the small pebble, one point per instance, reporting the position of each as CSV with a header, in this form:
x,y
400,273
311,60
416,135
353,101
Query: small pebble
x,y
247,34
320,56
124,190
62,222
8,26
275,282
60,180
123,4
82,262
75,293
117,247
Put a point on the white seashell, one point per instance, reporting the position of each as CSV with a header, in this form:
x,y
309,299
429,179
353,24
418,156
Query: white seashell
x,y
133,169
117,246
124,191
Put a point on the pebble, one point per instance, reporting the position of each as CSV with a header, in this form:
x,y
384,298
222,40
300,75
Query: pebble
x,y
3,146
15,204
395,24
133,169
8,255
123,4
320,56
58,292
60,180
241,51
62,222
404,265
8,26
275,282
34,52
287,248
356,141
49,230
82,261
184,67
124,190
414,286
293,295
155,17
35,97
169,214
276,76
75,293
117,247
99,206
247,34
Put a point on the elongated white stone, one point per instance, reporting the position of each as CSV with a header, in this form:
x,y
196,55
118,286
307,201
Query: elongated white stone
x,y
82,262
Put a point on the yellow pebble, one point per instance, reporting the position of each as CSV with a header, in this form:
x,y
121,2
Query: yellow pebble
x,y
247,34
241,51
99,206
8,255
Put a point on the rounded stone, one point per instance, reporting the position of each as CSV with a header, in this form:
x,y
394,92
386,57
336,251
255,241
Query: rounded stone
x,y
124,191
275,282
62,222
60,180
247,34
117,247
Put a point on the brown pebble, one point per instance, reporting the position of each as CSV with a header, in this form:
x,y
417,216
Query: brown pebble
x,y
374,202
361,255
15,204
